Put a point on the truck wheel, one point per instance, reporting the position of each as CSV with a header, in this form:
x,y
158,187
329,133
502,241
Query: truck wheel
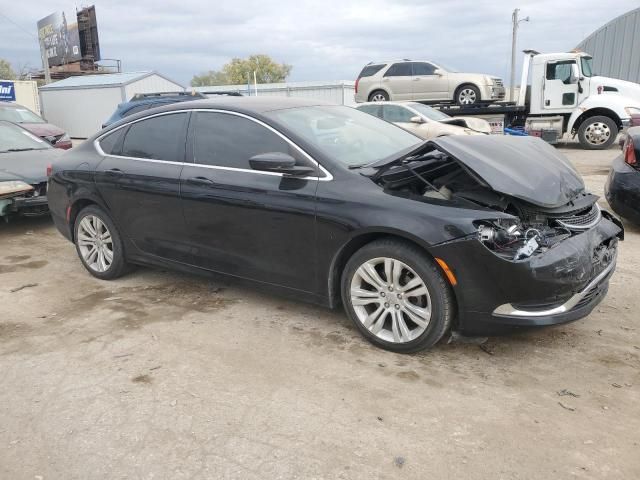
x,y
597,133
467,95
379,96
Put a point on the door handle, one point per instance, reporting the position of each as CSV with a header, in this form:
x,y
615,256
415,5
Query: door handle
x,y
114,172
200,181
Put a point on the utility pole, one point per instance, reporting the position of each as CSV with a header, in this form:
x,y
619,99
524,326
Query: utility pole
x,y
514,39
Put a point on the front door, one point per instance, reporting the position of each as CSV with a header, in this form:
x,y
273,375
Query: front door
x,y
560,85
244,222
139,180
398,80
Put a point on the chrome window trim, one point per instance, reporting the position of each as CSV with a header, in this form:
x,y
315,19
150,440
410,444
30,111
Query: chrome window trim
x,y
327,178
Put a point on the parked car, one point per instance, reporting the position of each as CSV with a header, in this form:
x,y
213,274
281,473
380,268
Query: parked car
x,y
425,81
37,125
145,101
424,121
332,205
23,171
622,189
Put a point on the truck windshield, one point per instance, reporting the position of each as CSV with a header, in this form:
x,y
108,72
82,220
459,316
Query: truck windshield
x,y
586,64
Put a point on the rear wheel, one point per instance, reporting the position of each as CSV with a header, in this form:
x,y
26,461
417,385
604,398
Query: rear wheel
x,y
379,96
396,296
597,133
467,95
98,244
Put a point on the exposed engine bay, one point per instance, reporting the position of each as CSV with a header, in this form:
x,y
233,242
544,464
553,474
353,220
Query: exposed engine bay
x,y
533,228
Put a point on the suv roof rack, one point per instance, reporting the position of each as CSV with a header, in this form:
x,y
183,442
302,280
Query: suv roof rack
x,y
228,93
142,96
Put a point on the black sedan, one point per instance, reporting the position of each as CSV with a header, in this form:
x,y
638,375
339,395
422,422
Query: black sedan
x,y
622,189
332,205
23,171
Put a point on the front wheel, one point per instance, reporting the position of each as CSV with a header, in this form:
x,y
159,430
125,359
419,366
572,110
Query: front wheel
x,y
597,133
396,296
98,244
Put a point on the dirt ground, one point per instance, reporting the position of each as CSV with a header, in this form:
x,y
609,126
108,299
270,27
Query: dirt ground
x,y
163,375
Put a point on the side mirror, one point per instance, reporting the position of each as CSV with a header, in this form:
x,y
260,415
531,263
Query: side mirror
x,y
417,119
575,75
438,72
278,162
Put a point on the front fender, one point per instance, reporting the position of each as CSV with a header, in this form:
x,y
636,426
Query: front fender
x,y
597,104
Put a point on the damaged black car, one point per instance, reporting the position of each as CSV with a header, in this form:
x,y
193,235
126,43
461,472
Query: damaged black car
x,y
323,203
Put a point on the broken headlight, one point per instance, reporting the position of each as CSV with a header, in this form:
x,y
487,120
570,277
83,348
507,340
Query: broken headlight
x,y
14,186
508,238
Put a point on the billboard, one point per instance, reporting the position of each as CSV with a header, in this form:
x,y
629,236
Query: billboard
x,y
88,28
7,91
60,40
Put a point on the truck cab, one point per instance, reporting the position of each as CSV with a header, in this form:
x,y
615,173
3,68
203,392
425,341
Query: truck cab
x,y
593,107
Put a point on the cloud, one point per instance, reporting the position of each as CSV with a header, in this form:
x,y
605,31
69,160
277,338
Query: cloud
x,y
324,40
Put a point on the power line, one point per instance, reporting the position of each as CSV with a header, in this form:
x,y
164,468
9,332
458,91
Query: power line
x,y
19,26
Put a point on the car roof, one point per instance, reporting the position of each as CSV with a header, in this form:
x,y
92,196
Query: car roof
x,y
246,104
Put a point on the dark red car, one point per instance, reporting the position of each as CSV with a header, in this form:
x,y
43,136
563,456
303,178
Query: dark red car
x,y
31,121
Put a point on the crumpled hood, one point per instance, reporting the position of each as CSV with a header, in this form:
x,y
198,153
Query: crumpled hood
x,y
625,88
477,124
29,166
527,168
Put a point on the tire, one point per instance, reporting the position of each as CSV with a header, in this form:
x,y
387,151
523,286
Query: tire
x,y
92,219
597,133
379,309
379,96
467,95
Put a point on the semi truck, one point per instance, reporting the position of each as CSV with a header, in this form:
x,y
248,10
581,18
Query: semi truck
x,y
560,94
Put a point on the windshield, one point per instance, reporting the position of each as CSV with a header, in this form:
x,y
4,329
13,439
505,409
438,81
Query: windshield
x,y
587,66
428,112
14,138
346,134
19,115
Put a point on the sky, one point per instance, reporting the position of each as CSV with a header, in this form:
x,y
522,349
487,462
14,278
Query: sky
x,y
322,39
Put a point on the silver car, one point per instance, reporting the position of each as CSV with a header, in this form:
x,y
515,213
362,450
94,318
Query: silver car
x,y
425,81
424,121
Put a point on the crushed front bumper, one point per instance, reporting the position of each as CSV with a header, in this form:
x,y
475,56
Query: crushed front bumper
x,y
27,206
622,190
562,284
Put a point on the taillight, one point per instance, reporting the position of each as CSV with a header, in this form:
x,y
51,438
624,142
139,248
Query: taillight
x,y
49,170
630,153
357,80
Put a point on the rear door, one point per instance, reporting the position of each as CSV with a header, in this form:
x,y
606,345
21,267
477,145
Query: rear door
x,y
139,180
397,80
427,85
244,222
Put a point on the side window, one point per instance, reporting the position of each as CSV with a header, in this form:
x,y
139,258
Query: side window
x,y
226,140
371,110
423,68
560,71
399,70
157,138
396,113
110,144
370,70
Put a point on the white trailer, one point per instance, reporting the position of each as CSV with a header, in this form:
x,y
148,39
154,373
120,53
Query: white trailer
x,y
22,92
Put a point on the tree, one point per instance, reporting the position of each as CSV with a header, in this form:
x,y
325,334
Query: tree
x,y
238,71
6,72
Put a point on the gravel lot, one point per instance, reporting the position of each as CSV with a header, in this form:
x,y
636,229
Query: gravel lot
x,y
163,375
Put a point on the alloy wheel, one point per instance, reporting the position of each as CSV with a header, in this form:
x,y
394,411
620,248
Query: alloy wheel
x,y
95,243
467,96
390,300
597,133
378,97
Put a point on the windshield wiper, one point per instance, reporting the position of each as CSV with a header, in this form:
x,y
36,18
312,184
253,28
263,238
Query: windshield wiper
x,y
358,165
23,149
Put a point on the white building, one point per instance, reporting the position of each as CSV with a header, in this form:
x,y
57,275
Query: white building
x,y
340,92
80,105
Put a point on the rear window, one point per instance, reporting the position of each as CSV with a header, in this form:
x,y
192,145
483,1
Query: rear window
x,y
370,70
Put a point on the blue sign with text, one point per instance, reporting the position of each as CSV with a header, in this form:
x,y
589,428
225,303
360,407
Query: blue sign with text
x,y
8,91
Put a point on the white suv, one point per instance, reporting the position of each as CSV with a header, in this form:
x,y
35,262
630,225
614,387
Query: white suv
x,y
425,81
